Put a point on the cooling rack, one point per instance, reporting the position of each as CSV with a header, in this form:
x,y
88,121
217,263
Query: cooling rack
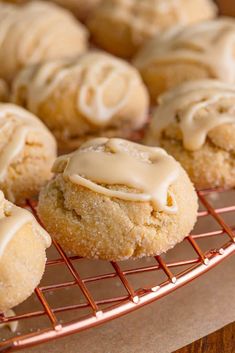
x,y
108,290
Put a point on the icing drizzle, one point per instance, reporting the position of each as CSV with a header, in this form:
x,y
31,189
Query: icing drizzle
x,y
96,73
209,43
185,102
113,162
19,123
37,31
143,16
12,219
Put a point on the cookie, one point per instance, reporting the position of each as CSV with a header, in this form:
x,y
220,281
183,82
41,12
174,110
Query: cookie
x,y
114,199
121,27
203,50
22,254
27,152
195,123
93,95
36,32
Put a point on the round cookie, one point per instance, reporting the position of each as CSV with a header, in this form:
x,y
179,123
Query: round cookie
x,y
35,32
195,122
22,254
122,26
114,199
203,50
93,95
27,152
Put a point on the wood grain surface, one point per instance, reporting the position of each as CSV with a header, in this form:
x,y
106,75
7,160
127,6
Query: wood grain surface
x,y
222,341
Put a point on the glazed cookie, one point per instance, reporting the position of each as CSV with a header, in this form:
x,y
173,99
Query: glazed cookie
x,y
114,199
122,26
204,50
22,254
35,32
4,91
195,123
93,95
80,8
27,152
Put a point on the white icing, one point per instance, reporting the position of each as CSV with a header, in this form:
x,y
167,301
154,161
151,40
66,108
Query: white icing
x,y
142,17
186,101
96,111
209,43
12,219
109,162
34,32
19,123
94,72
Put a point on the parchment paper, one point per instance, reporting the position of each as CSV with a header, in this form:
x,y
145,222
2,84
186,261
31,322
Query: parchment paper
x,y
189,313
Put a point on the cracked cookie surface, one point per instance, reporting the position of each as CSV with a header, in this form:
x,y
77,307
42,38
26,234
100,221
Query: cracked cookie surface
x,y
201,51
95,225
134,22
195,123
22,254
27,152
35,32
90,96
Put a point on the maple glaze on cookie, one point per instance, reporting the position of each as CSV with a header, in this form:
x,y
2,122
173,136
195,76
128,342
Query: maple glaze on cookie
x,y
203,50
93,95
195,122
114,199
27,151
133,22
36,32
22,254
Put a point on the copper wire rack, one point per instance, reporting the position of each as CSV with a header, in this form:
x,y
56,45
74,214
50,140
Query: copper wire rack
x,y
107,290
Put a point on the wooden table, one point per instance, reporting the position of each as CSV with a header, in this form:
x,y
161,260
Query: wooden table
x,y
222,341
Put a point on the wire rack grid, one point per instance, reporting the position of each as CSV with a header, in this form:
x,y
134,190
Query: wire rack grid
x,y
174,274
